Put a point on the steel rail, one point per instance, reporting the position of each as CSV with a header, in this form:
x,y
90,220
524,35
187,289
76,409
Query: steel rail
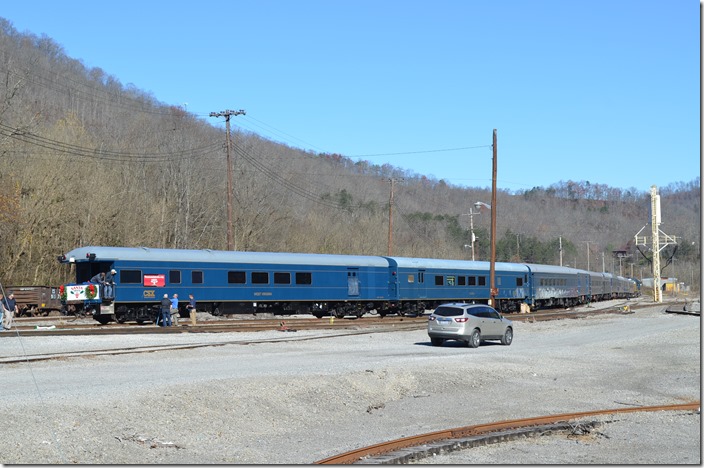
x,y
480,429
217,326
179,346
237,324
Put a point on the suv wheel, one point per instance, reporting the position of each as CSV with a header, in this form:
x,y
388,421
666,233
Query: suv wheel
x,y
508,337
436,341
474,339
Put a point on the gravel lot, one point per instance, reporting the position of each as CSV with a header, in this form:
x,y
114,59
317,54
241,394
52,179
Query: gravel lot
x,y
302,399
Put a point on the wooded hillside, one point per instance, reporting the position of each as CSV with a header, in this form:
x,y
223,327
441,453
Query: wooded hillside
x,y
86,160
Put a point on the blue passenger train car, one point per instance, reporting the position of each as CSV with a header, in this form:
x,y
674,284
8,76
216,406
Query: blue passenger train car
x,y
553,286
233,282
225,282
424,283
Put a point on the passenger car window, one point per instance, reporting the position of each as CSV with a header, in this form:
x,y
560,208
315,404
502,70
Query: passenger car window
x,y
260,277
282,278
175,276
197,277
236,277
304,278
130,276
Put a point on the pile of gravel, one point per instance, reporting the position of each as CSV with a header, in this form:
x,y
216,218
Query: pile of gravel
x,y
313,394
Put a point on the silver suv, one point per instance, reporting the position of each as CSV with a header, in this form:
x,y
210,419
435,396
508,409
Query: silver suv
x,y
471,323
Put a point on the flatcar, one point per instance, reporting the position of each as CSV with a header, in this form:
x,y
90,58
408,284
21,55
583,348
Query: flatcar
x,y
225,282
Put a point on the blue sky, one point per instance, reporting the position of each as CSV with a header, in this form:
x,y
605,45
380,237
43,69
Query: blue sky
x,y
605,91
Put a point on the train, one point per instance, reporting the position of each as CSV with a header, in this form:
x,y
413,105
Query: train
x,y
34,301
284,283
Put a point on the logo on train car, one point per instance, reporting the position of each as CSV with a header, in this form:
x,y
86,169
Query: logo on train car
x,y
76,292
155,281
149,294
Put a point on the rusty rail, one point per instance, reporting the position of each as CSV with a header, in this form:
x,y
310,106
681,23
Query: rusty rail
x,y
467,431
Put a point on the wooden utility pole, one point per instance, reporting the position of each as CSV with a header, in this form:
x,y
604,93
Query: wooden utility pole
x,y
493,292
227,114
391,218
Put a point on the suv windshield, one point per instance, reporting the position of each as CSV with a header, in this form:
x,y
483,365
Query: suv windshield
x,y
449,311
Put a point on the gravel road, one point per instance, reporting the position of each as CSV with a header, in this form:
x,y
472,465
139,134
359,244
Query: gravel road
x,y
314,394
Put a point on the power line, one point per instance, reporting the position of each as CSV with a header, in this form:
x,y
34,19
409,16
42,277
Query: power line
x,y
418,152
98,153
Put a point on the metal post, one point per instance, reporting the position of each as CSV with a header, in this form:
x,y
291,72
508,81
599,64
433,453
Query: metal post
x,y
492,266
471,230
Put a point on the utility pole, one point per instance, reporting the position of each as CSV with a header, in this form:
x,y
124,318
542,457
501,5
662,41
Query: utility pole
x,y
492,266
472,237
391,218
227,114
588,254
561,253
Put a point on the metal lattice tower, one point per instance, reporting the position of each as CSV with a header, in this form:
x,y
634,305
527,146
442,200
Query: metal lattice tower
x,y
660,240
655,223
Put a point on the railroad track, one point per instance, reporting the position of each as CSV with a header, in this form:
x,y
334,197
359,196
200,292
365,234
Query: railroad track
x,y
418,446
365,325
67,327
179,346
63,325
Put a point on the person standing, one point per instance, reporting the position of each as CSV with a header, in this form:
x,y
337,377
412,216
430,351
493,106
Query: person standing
x,y
2,311
10,310
110,283
192,309
165,314
99,279
174,310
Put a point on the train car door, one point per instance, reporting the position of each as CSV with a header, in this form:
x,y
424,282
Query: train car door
x,y
421,291
530,287
353,282
393,283
412,284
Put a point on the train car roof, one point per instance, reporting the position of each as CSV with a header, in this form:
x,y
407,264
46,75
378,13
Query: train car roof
x,y
408,262
538,268
219,256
